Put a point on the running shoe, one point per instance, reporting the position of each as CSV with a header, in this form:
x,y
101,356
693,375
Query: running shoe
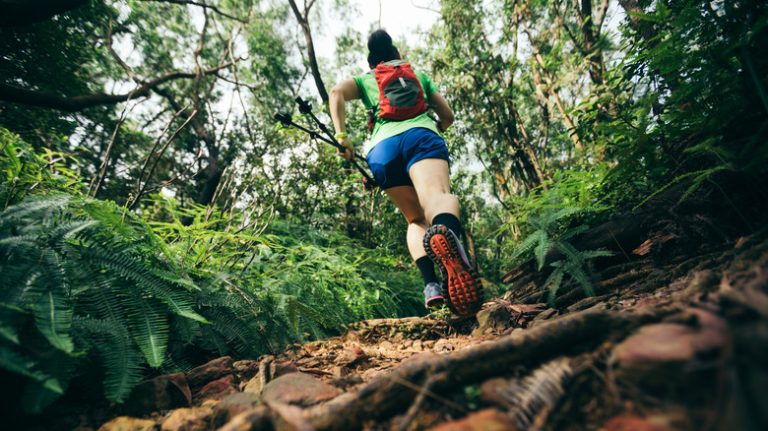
x,y
433,295
465,293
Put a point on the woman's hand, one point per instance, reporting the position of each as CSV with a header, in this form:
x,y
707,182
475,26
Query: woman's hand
x,y
349,154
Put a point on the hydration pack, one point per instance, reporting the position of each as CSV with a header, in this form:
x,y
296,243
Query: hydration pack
x,y
401,96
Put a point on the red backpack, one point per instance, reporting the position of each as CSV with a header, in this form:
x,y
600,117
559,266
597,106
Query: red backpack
x,y
400,93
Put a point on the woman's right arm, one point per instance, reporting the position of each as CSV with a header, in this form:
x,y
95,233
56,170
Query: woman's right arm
x,y
340,93
441,108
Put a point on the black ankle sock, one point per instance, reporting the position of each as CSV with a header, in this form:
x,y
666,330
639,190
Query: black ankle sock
x,y
427,269
450,221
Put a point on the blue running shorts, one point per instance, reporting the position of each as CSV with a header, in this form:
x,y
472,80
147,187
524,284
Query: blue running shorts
x,y
392,158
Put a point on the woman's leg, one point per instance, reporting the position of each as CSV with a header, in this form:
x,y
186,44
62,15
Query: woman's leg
x,y
407,202
432,184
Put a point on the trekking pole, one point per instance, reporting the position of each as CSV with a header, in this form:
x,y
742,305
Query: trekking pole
x,y
286,120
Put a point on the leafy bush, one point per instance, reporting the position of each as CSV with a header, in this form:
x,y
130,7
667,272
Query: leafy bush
x,y
86,281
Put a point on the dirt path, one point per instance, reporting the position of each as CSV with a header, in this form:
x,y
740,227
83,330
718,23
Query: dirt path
x,y
674,347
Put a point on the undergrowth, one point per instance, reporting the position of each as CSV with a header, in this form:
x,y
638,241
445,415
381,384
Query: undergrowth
x,y
86,281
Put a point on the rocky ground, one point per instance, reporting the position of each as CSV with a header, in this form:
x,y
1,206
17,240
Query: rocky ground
x,y
679,346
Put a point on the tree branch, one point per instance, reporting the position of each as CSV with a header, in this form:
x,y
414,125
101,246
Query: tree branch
x,y
9,93
304,23
202,5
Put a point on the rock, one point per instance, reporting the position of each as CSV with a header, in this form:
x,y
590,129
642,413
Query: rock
x,y
246,369
339,372
298,388
494,318
188,419
257,418
217,368
632,423
126,423
484,420
351,355
254,385
232,405
217,389
443,345
496,391
659,353
160,393
268,371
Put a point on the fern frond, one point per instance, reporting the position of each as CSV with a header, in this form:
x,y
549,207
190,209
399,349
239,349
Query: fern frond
x,y
570,233
530,241
122,364
53,313
580,276
152,280
149,328
17,363
541,250
553,283
34,208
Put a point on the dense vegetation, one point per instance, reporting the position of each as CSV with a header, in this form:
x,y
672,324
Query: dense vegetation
x,y
154,215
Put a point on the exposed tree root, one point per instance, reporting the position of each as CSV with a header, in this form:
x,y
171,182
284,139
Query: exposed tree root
x,y
386,394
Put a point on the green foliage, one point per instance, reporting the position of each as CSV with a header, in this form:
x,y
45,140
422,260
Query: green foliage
x,y
546,233
86,280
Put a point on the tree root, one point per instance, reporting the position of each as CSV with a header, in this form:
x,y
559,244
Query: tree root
x,y
387,395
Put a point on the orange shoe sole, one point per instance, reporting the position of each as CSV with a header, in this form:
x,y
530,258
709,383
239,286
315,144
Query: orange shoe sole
x,y
465,293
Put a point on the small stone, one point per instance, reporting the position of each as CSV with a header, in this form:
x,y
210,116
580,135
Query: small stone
x,y
253,386
417,345
298,388
443,345
495,317
351,355
188,419
126,423
484,420
246,369
339,372
200,376
160,393
232,405
632,423
217,389
658,353
284,367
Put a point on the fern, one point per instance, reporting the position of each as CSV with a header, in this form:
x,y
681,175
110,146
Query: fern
x,y
546,236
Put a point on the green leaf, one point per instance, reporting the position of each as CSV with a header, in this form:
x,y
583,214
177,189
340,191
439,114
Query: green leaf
x,y
150,331
53,313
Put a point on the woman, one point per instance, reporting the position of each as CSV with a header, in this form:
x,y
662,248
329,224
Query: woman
x,y
409,161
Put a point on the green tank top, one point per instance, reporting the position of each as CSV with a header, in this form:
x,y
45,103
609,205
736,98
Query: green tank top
x,y
382,129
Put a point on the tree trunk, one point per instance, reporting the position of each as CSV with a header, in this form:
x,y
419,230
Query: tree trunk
x,y
303,20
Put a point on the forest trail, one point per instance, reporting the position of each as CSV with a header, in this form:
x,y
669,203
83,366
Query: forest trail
x,y
661,347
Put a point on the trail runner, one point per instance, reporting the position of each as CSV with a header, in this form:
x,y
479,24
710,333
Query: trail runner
x,y
409,161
